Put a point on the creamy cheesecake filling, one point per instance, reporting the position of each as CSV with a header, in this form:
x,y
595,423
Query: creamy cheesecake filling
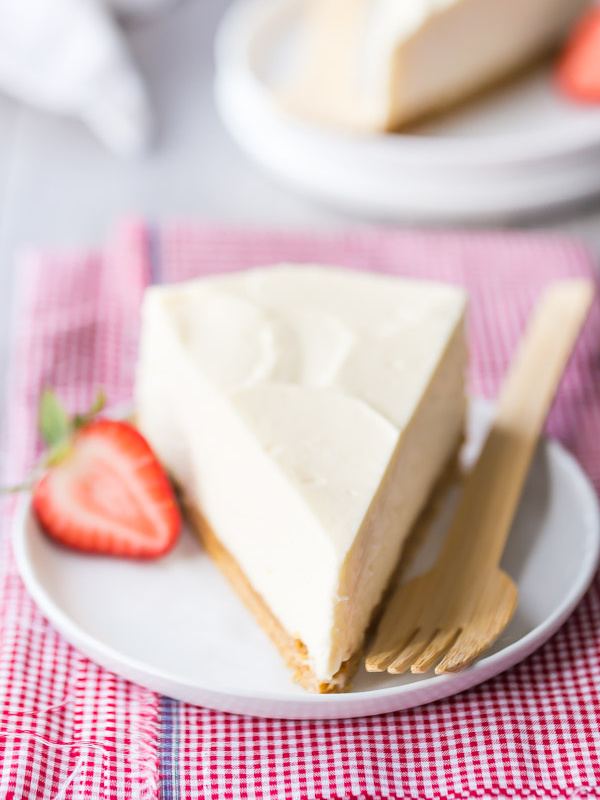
x,y
307,411
464,46
424,447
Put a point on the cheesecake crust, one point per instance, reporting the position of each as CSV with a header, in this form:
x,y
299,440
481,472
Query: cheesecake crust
x,y
293,650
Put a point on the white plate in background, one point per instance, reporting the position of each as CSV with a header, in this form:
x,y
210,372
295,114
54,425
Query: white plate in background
x,y
516,152
174,625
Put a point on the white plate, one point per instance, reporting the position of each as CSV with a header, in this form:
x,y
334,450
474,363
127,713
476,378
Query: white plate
x,y
520,150
175,626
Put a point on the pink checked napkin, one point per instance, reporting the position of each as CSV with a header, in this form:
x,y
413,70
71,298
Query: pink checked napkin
x,y
69,729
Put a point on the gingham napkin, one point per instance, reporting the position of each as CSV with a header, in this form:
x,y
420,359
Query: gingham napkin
x,y
69,729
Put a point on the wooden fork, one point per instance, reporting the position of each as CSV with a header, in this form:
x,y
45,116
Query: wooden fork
x,y
458,608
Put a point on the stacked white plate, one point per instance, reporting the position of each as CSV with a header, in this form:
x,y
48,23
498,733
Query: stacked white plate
x,y
517,152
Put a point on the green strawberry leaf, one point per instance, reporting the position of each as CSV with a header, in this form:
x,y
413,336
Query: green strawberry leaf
x,y
55,425
99,402
80,420
59,452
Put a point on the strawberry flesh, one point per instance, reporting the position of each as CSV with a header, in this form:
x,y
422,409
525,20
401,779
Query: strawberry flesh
x,y
109,495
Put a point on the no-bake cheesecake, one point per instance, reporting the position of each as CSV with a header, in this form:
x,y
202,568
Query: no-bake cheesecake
x,y
380,64
306,413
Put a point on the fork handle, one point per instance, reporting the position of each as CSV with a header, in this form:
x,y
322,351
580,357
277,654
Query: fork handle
x,y
492,489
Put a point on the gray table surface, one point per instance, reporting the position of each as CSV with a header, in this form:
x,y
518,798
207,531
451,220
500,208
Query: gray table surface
x,y
59,187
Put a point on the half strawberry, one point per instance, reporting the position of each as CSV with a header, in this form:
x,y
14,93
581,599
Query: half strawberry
x,y
103,491
578,69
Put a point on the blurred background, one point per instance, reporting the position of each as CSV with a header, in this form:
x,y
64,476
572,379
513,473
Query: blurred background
x,y
60,185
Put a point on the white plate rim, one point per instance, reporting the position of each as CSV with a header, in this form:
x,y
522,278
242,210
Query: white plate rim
x,y
309,706
232,45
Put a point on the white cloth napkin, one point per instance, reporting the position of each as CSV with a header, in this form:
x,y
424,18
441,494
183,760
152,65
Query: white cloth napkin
x,y
70,56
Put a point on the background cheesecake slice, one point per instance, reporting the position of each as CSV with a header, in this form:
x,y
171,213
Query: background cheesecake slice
x,y
306,413
379,64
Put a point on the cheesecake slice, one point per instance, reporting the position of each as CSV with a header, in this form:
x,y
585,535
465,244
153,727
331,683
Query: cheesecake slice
x,y
380,64
306,413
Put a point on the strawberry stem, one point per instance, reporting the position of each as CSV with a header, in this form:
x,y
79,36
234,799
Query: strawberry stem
x,y
22,487
57,430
